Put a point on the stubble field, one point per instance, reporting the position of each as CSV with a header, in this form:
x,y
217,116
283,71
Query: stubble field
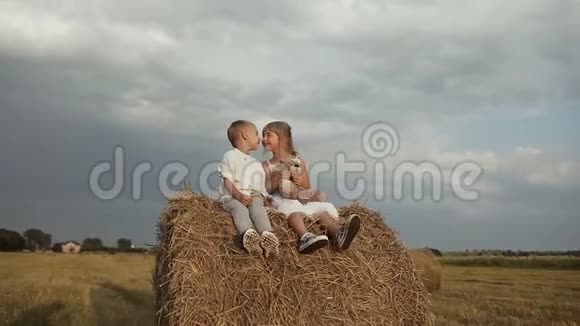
x,y
102,289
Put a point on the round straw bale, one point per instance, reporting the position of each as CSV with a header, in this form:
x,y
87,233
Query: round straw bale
x,y
429,268
202,278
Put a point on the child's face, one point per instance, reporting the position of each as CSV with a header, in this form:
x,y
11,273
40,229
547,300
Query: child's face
x,y
270,141
253,138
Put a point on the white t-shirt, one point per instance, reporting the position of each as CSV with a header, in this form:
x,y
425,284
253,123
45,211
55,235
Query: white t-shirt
x,y
244,171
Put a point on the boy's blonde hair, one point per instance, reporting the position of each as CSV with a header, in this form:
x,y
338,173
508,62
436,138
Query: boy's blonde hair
x,y
235,130
284,133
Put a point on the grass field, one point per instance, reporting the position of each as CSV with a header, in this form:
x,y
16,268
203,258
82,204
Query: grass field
x,y
60,289
507,296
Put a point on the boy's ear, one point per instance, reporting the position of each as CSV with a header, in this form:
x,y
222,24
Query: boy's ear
x,y
244,133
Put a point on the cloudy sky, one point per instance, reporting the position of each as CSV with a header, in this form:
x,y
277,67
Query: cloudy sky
x,y
495,83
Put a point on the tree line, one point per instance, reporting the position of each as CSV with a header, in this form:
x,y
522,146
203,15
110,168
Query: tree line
x,y
513,253
36,239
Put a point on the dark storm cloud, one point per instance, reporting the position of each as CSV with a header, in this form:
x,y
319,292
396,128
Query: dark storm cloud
x,y
164,79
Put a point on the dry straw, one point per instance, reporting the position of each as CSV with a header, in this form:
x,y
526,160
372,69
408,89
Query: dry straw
x,y
429,268
202,278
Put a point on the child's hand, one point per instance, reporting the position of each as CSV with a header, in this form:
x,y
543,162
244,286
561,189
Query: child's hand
x,y
297,180
295,175
245,200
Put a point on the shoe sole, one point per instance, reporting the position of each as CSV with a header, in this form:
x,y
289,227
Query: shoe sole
x,y
315,246
252,244
353,228
271,245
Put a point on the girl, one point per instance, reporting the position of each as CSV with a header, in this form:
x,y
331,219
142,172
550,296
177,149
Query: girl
x,y
277,138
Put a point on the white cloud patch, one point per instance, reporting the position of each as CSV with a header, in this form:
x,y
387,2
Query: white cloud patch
x,y
529,163
46,34
541,168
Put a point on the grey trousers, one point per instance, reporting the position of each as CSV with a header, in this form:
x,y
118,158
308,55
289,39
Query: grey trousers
x,y
254,216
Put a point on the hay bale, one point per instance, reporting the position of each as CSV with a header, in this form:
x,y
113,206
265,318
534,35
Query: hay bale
x,y
429,268
202,278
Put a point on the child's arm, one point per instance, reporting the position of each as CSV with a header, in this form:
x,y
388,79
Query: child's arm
x,y
302,180
225,170
236,194
272,178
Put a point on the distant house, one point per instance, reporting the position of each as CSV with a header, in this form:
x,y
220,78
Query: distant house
x,y
71,247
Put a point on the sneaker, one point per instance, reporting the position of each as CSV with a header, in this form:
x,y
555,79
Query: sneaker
x,y
347,232
270,244
251,242
309,243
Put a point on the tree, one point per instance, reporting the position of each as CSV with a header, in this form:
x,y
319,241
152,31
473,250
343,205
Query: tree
x,y
46,241
92,244
57,247
11,241
37,239
436,252
124,244
34,239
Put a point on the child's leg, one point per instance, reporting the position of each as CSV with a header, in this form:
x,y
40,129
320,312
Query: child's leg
x,y
330,222
259,216
296,223
241,218
307,242
341,235
240,215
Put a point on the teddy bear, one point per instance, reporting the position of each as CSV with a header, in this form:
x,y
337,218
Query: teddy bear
x,y
288,189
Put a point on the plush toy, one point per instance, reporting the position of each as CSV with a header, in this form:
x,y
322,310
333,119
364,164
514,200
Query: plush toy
x,y
288,189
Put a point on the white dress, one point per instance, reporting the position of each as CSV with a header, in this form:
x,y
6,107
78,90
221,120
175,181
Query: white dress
x,y
288,206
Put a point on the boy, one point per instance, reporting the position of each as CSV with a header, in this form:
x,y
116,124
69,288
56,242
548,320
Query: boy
x,y
243,190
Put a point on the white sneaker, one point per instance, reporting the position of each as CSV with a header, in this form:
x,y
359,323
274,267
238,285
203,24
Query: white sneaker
x,y
251,242
270,244
309,243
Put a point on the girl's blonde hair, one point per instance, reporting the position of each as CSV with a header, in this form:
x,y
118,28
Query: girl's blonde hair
x,y
284,133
